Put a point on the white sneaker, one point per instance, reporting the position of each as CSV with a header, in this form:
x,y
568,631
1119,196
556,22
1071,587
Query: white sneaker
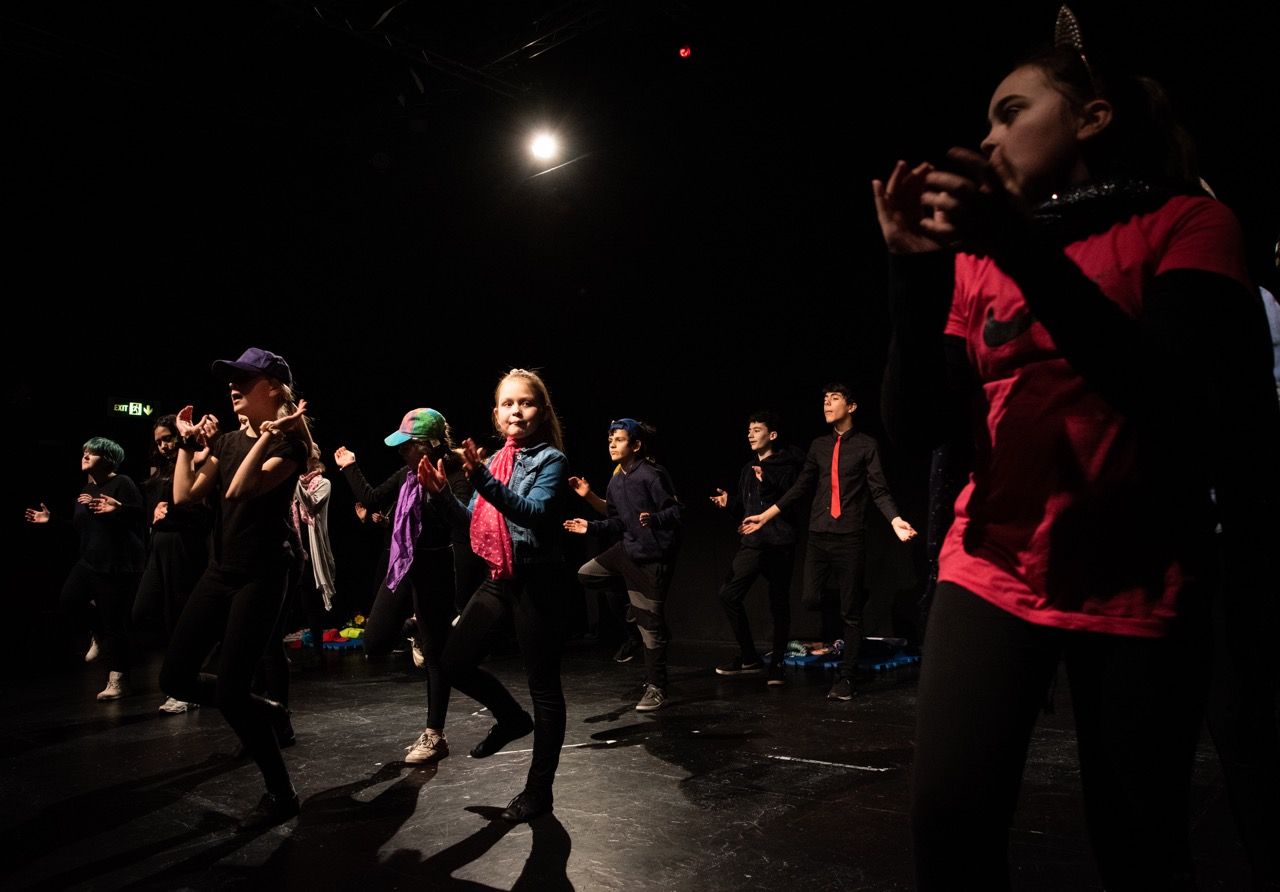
x,y
92,653
419,658
176,707
116,687
429,747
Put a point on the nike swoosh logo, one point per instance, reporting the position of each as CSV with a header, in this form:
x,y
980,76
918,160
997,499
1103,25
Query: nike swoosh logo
x,y
998,332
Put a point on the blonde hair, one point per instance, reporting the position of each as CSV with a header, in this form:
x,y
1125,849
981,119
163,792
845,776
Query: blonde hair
x,y
289,405
548,428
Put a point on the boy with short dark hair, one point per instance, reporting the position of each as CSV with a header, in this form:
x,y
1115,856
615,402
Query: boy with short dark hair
x,y
770,551
841,474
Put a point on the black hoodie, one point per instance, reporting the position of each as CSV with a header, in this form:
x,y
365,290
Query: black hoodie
x,y
753,496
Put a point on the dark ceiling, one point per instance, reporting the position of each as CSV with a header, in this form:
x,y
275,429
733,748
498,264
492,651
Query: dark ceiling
x,y
346,183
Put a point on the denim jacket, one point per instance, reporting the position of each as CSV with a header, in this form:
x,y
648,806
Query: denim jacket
x,y
531,502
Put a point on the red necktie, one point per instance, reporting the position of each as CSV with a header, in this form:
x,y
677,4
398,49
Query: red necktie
x,y
835,479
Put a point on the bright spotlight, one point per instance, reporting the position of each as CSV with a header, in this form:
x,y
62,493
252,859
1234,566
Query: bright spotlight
x,y
545,147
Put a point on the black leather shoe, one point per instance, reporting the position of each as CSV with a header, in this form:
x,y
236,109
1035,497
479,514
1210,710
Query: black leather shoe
x,y
527,806
272,809
500,735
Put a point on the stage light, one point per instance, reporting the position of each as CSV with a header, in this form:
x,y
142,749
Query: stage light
x,y
545,147
686,51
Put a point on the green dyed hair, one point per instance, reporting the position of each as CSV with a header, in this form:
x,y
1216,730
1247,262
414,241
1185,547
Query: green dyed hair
x,y
108,449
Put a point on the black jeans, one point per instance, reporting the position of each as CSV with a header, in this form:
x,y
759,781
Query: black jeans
x,y
646,586
240,611
535,599
985,676
101,602
775,563
838,557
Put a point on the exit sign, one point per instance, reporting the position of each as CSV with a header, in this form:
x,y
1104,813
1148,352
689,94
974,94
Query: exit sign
x,y
136,409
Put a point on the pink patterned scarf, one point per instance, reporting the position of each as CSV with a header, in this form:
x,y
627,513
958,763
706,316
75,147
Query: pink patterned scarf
x,y
490,538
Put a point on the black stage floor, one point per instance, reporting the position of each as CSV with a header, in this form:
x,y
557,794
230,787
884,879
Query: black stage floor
x,y
735,786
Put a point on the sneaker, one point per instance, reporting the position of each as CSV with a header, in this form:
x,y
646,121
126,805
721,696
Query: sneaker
x,y
654,698
627,652
842,690
176,707
777,673
92,653
740,667
527,806
500,735
429,747
419,658
116,687
272,809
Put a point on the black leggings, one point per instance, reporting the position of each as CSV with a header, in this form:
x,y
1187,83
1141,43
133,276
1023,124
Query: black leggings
x,y
385,627
775,563
239,611
985,676
101,602
535,599
431,580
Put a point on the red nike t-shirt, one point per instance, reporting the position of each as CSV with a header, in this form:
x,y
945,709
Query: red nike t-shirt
x,y
1051,527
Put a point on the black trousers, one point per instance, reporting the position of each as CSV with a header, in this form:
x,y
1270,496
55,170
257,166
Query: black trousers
x,y
174,564
240,611
838,558
101,602
535,599
985,675
775,563
646,585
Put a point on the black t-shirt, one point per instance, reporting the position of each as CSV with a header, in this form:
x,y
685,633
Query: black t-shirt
x,y
193,517
112,542
249,534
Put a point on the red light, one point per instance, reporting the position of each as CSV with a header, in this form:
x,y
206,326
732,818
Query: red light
x,y
686,51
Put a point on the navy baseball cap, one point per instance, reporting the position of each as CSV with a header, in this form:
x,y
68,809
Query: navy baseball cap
x,y
255,361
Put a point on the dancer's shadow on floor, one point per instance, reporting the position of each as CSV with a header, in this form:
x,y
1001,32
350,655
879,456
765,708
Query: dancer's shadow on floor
x,y
545,870
337,840
105,809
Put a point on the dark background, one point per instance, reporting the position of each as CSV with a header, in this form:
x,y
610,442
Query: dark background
x,y
186,181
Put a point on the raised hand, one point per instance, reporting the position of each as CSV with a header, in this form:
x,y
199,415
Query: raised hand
x,y
343,457
576,525
472,455
898,209
721,498
185,426
433,477
208,429
580,485
37,515
973,204
161,512
103,505
289,422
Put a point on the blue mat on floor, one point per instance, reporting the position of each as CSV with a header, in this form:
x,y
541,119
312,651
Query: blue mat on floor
x,y
871,662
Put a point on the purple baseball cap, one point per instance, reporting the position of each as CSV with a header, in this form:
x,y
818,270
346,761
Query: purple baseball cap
x,y
255,361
